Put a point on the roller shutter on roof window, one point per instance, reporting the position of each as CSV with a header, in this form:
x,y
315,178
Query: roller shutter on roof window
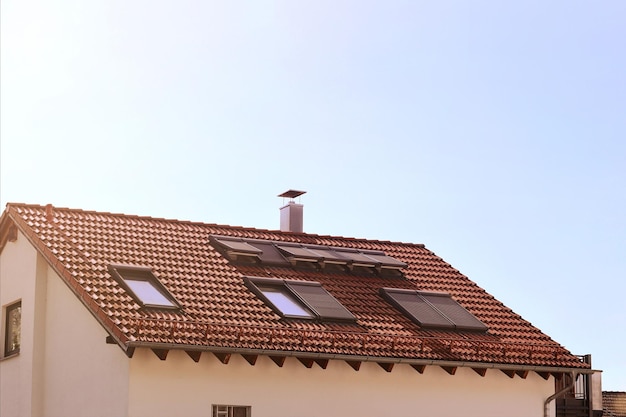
x,y
415,308
462,319
320,300
433,310
240,246
237,249
299,252
296,254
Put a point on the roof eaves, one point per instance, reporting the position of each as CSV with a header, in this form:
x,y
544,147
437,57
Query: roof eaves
x,y
8,230
363,358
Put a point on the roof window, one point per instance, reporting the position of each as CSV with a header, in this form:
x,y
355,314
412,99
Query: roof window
x,y
433,310
143,286
238,249
306,255
299,299
284,301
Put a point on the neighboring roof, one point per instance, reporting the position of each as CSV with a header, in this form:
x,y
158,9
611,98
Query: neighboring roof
x,y
614,403
220,314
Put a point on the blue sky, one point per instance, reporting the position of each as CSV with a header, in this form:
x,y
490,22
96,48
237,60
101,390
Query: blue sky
x,y
493,132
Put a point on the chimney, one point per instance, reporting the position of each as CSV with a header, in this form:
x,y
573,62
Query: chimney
x,y
291,214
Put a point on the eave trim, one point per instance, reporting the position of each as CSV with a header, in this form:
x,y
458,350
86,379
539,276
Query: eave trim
x,y
360,358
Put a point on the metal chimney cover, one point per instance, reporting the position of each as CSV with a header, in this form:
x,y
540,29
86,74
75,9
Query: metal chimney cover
x,y
291,193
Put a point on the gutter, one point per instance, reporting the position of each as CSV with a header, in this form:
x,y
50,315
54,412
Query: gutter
x,y
361,358
546,403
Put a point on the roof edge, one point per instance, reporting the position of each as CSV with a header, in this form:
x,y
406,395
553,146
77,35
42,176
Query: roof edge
x,y
361,358
59,268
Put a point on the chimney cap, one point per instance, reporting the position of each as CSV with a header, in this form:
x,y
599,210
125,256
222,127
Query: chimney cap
x,y
291,194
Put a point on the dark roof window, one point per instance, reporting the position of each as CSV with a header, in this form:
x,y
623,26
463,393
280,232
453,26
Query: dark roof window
x,y
304,255
433,310
239,246
237,249
143,286
299,299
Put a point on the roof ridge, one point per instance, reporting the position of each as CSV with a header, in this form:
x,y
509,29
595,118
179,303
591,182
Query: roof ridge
x,y
200,223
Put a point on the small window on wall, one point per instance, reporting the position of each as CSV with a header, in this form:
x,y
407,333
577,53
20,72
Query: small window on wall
x,y
12,328
232,411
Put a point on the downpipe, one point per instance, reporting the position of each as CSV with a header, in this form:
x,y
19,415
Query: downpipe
x,y
546,403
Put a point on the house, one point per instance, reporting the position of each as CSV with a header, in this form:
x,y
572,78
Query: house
x,y
614,403
121,315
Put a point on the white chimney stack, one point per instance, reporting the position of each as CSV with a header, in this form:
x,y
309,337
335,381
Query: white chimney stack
x,y
291,214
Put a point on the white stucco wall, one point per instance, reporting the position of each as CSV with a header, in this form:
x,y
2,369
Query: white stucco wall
x,y
84,376
296,391
64,367
18,269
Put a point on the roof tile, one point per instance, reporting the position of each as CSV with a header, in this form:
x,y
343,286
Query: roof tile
x,y
218,310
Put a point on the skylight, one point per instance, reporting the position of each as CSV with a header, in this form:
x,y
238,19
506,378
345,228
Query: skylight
x,y
299,299
148,293
282,299
433,310
305,255
143,286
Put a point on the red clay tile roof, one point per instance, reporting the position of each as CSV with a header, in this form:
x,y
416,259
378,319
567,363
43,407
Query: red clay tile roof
x,y
614,403
220,312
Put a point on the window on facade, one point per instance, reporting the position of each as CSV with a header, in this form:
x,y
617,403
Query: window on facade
x,y
232,411
299,299
433,310
143,286
13,328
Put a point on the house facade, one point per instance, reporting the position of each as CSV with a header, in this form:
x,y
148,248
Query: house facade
x,y
117,315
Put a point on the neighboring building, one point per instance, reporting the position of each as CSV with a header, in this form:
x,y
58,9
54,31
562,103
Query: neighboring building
x,y
118,315
614,403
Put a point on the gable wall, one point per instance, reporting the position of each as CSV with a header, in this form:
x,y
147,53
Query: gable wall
x,y
179,386
84,376
64,367
18,277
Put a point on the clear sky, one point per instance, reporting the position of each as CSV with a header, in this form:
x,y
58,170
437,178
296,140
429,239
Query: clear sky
x,y
494,131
